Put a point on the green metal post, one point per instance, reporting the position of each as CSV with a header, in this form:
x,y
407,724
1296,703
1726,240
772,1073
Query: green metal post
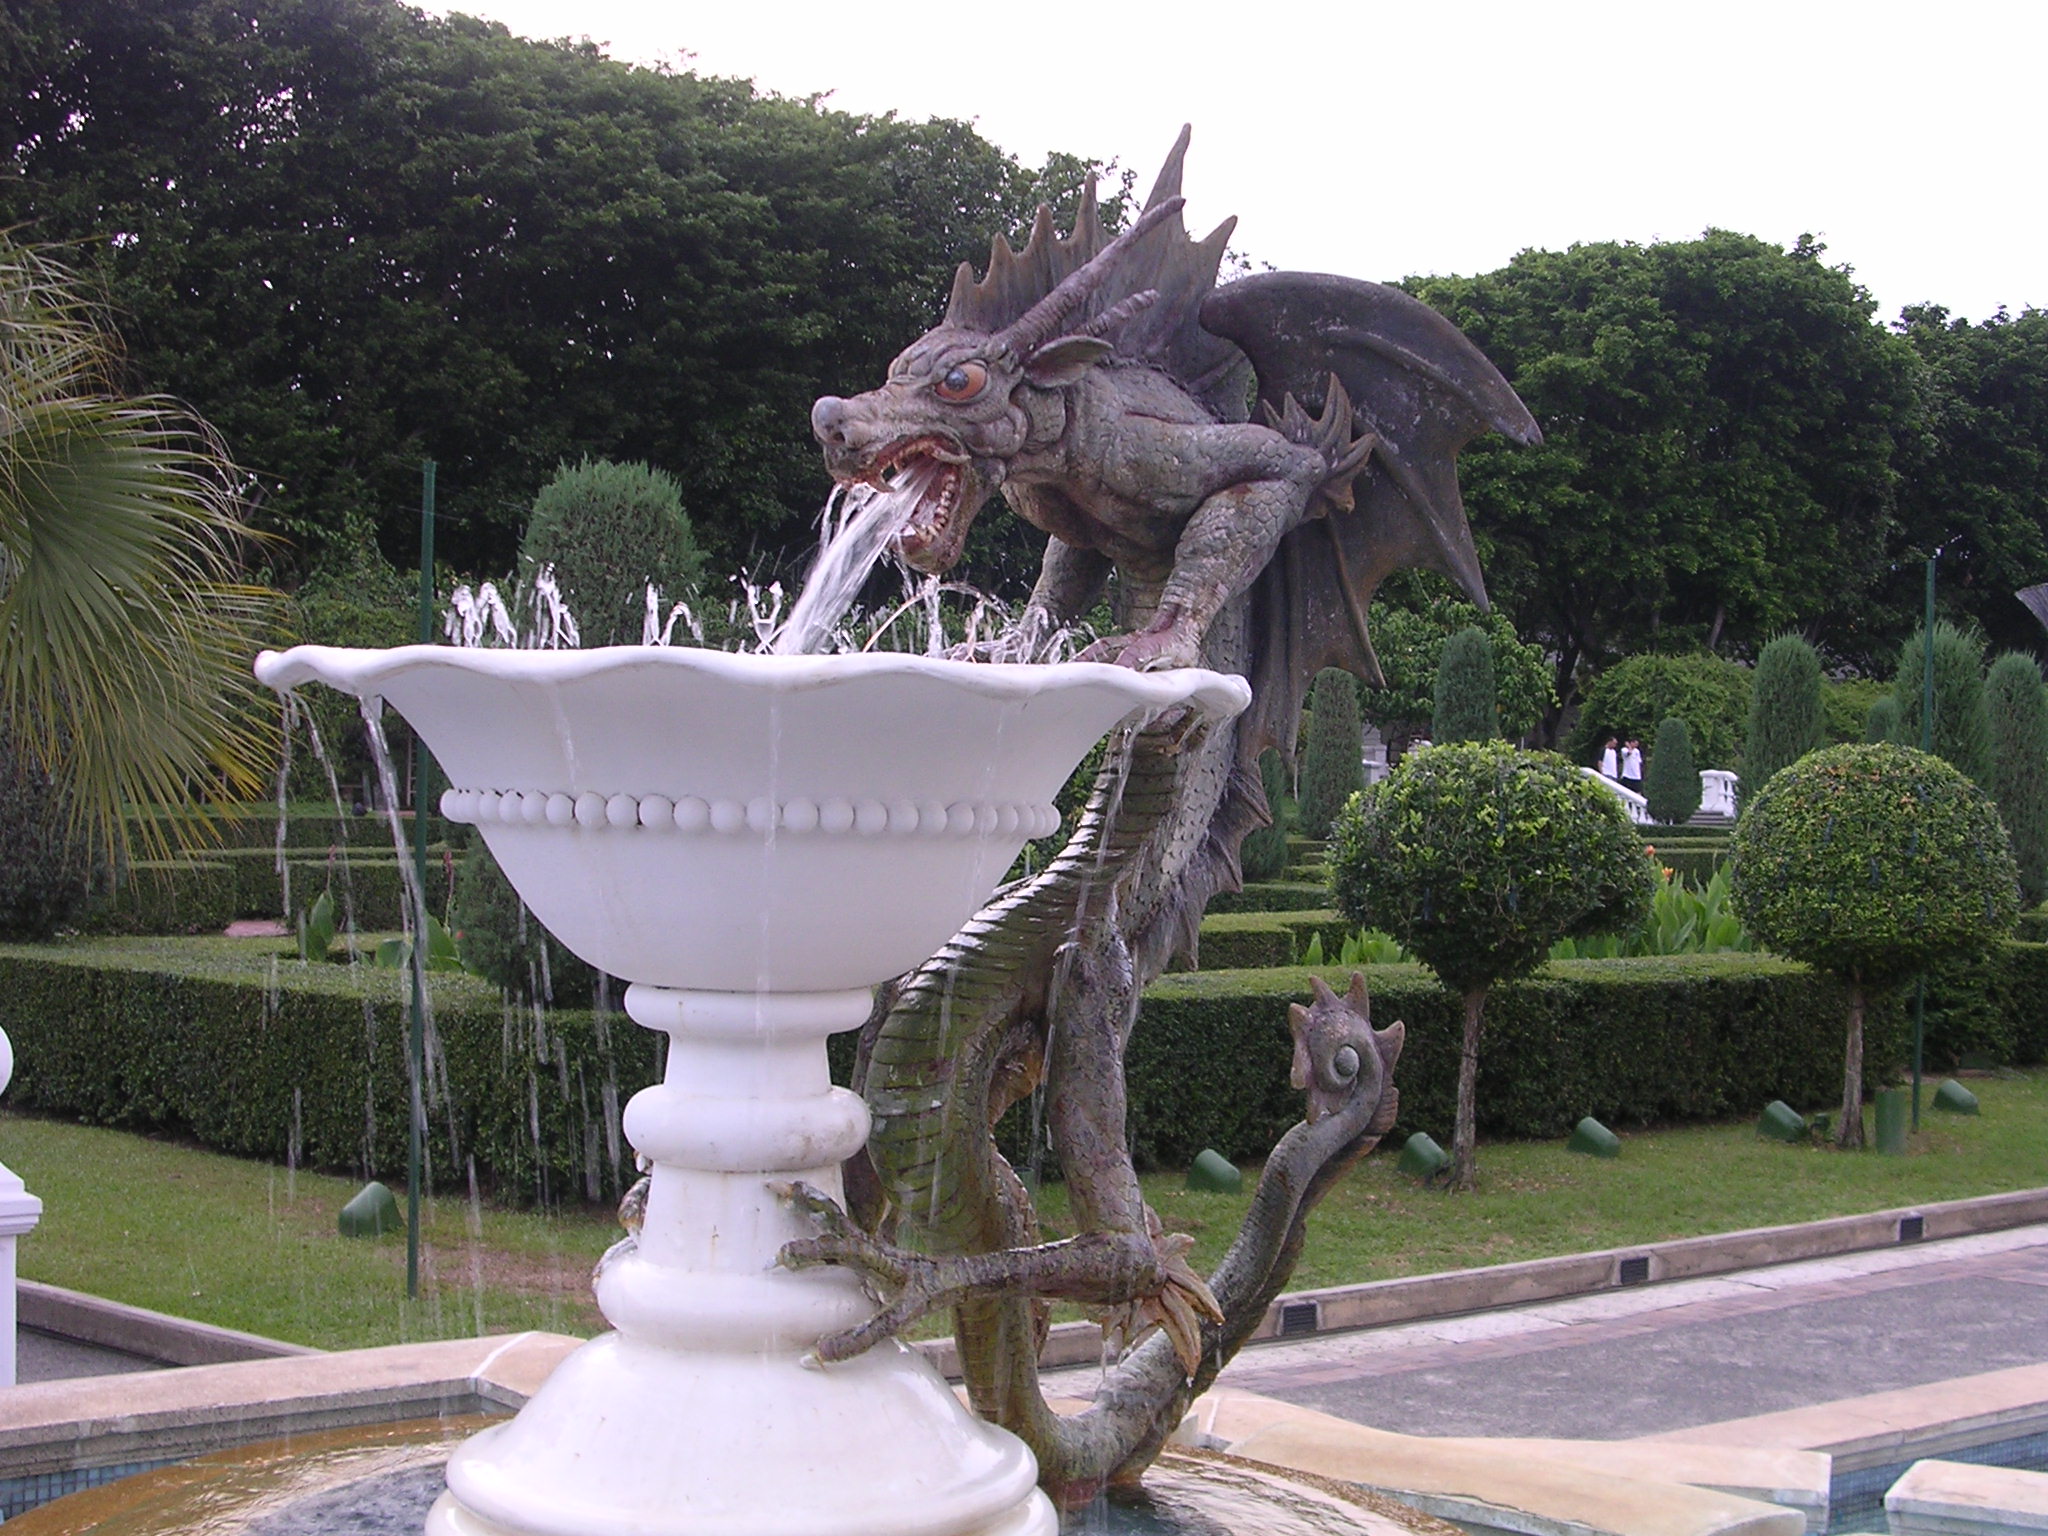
x,y
1926,745
422,774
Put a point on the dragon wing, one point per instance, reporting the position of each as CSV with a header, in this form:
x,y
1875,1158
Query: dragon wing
x,y
1424,390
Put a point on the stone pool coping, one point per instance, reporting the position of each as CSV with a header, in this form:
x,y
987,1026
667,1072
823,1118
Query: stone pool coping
x,y
1412,1298
1886,1429
53,1428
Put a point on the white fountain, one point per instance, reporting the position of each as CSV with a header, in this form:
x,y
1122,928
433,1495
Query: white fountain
x,y
754,842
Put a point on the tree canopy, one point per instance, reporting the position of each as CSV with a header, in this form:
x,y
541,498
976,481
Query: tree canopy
x,y
356,237
1718,419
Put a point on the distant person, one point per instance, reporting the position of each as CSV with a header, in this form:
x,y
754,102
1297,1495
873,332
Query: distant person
x,y
1632,765
1610,759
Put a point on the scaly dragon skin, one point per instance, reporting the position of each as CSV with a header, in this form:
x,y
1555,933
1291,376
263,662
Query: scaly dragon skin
x,y
1079,379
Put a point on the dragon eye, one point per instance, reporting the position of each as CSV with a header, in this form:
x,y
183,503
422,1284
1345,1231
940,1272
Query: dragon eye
x,y
962,382
1344,1063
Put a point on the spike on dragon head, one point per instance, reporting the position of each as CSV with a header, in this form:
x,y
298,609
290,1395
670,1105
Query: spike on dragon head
x,y
965,405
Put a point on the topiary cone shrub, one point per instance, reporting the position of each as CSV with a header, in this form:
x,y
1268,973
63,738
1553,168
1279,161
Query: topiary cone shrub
x,y
608,530
1264,853
1671,784
1479,857
2016,717
1466,706
1333,766
1785,717
1960,735
1871,862
1882,723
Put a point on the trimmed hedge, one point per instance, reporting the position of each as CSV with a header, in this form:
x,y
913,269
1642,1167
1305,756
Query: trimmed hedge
x,y
169,1036
1629,1042
1260,940
1273,896
173,1036
169,896
205,895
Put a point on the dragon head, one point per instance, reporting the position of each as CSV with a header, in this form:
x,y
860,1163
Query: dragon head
x,y
1340,1059
956,409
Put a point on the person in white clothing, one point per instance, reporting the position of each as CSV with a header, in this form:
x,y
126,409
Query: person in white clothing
x,y
1632,765
1610,761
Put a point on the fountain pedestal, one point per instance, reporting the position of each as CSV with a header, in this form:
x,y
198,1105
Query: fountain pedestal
x,y
753,842
700,1415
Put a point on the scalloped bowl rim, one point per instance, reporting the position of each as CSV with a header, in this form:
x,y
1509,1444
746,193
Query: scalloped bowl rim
x,y
361,671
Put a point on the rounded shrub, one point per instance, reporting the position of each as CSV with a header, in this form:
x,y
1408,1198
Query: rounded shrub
x,y
2016,720
1871,862
1332,766
1671,784
1466,707
608,530
1786,720
1478,857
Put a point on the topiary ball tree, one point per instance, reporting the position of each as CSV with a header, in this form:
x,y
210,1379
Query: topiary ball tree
x,y
608,530
1333,765
1671,784
1466,706
2016,716
1870,862
1479,857
1786,720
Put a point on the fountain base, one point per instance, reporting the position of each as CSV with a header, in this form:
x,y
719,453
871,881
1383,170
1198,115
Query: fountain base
x,y
631,1440
704,1414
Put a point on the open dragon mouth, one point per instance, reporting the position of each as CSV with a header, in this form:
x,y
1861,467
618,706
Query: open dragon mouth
x,y
931,474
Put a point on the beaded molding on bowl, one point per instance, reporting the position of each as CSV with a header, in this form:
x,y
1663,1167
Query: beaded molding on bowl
x,y
691,813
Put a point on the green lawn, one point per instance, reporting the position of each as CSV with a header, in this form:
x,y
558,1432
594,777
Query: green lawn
x,y
251,1246
1536,1200
248,1245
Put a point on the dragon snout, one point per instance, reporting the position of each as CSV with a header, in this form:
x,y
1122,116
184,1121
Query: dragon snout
x,y
832,422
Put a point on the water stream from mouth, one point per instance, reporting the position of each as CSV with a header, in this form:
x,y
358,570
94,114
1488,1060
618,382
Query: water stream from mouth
x,y
859,525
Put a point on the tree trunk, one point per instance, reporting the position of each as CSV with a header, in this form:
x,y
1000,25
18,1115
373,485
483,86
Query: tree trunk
x,y
1849,1135
1465,1136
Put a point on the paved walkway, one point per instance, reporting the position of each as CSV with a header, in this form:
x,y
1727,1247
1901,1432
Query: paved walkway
x,y
1657,1358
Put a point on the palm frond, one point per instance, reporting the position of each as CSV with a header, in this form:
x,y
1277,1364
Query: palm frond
x,y
126,628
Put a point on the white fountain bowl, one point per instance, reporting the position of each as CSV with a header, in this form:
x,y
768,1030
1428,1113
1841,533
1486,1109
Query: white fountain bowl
x,y
692,818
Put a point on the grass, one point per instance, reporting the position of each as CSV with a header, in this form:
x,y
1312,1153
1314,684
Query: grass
x,y
1535,1200
246,1245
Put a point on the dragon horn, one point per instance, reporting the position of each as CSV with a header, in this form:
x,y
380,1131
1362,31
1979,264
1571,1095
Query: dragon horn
x,y
1357,996
1040,323
1323,992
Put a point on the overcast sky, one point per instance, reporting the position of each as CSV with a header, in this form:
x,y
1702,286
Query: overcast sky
x,y
1445,135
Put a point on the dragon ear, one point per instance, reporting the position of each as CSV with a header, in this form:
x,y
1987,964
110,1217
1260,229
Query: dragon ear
x,y
1064,359
1388,1042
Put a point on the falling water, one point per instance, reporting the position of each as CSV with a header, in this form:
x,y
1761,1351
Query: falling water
x,y
858,525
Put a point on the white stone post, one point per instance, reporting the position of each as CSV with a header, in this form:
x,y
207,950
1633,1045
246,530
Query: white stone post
x,y
19,1213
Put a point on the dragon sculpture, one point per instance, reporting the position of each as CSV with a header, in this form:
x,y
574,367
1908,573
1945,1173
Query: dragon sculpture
x,y
1103,386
